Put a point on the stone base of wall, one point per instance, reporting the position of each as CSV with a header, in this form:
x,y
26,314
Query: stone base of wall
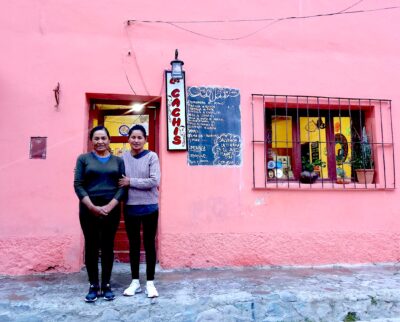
x,y
30,255
253,249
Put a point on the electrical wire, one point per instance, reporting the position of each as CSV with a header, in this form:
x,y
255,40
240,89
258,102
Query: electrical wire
x,y
266,19
217,38
133,53
272,20
130,85
353,5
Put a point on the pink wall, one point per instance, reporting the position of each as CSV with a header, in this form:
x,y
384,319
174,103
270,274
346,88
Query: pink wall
x,y
221,220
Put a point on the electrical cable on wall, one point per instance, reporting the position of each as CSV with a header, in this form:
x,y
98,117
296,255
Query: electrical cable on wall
x,y
132,53
272,20
130,85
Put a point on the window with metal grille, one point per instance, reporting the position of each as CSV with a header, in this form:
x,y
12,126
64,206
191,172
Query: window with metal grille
x,y
306,142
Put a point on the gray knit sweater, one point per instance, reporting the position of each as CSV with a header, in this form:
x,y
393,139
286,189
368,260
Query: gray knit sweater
x,y
144,174
98,180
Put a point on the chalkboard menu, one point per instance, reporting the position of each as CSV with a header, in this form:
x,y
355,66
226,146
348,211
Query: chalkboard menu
x,y
213,123
314,151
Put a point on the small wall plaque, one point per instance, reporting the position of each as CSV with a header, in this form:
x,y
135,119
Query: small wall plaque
x,y
38,147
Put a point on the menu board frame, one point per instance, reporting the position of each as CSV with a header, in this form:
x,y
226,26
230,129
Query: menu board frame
x,y
214,126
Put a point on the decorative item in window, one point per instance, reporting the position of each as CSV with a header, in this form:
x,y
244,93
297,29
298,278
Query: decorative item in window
x,y
271,164
341,176
38,147
285,161
343,148
271,174
123,130
279,173
311,170
363,163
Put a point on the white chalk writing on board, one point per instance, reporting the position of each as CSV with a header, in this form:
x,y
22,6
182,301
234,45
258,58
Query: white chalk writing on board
x,y
226,149
213,93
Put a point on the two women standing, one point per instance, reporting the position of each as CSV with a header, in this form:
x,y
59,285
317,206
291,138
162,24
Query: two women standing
x,y
100,184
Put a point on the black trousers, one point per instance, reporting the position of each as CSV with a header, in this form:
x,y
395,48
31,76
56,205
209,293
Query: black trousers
x,y
132,224
99,234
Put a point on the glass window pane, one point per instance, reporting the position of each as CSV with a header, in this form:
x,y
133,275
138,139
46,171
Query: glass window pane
x,y
281,131
280,152
313,144
342,131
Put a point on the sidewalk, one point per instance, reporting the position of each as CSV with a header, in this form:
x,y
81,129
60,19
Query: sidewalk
x,y
367,293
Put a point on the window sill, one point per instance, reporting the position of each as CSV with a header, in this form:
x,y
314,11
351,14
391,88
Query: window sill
x,y
323,185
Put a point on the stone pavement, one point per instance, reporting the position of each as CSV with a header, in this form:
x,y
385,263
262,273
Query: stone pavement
x,y
334,293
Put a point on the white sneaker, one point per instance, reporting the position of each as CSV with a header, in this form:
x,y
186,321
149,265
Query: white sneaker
x,y
151,290
133,288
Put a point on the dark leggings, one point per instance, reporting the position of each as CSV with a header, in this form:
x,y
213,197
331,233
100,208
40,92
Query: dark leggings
x,y
132,224
99,234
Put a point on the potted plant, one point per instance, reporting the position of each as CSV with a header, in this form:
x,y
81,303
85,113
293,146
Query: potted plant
x,y
363,163
310,170
341,176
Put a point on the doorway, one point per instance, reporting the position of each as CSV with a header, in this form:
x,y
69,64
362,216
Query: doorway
x,y
118,114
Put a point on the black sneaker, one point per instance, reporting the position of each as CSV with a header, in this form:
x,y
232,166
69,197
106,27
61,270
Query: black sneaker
x,y
107,293
92,294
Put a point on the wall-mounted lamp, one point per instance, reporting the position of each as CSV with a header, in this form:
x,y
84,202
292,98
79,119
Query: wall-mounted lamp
x,y
177,70
57,95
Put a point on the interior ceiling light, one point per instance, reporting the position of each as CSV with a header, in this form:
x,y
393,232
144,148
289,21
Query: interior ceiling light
x,y
137,107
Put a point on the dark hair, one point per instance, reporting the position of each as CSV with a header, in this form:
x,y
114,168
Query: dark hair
x,y
98,128
137,127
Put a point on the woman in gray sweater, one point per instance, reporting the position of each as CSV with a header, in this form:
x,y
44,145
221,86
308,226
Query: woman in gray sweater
x,y
142,177
96,185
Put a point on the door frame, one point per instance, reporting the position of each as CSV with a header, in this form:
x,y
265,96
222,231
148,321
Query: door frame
x,y
152,107
150,102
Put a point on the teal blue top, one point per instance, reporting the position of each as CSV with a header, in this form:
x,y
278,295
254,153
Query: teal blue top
x,y
102,159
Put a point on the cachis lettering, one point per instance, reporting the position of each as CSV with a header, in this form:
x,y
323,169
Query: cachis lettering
x,y
176,102
177,140
176,112
176,92
176,122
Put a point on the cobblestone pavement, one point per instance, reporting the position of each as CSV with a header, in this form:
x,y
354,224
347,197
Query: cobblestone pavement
x,y
335,293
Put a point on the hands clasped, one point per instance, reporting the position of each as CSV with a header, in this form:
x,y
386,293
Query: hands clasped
x,y
100,210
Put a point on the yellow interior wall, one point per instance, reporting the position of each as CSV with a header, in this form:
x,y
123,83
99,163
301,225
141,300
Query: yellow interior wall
x,y
282,132
113,124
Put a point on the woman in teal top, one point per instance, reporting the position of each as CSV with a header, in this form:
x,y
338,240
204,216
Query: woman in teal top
x,y
96,185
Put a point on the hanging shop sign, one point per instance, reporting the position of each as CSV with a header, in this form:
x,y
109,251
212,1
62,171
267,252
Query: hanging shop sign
x,y
176,113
